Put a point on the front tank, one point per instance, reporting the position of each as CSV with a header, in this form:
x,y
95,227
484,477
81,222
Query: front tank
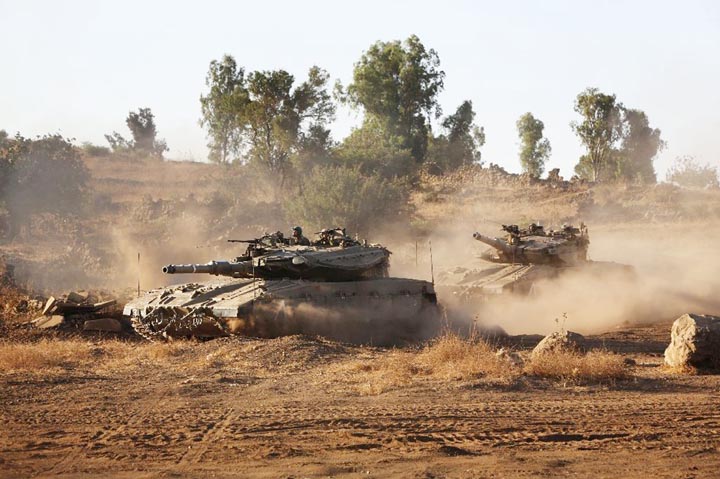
x,y
379,311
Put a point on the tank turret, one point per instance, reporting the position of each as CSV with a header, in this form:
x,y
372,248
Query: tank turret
x,y
334,256
564,247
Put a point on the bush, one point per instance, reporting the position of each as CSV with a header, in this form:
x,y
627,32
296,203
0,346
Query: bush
x,y
95,150
45,175
341,196
577,368
686,171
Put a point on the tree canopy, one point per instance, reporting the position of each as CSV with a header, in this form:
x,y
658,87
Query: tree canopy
x,y
599,131
640,144
398,84
219,107
263,117
144,133
619,141
534,148
459,145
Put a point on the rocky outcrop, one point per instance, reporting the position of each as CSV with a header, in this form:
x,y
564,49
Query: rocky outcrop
x,y
695,342
560,341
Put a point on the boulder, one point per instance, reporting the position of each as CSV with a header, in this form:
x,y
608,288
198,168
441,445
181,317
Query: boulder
x,y
560,341
103,324
48,322
694,341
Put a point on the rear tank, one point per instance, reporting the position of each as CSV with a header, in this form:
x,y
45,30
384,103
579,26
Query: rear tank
x,y
522,259
336,287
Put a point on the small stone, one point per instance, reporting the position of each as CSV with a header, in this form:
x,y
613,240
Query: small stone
x,y
103,324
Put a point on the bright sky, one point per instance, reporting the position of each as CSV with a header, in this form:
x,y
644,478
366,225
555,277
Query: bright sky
x,y
78,67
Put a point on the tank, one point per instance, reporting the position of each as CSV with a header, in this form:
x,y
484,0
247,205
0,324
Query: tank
x,y
335,287
524,257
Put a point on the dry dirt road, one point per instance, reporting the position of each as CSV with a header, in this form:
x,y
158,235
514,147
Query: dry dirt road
x,y
287,411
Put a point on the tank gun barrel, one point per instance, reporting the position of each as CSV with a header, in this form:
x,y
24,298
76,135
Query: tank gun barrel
x,y
495,243
221,268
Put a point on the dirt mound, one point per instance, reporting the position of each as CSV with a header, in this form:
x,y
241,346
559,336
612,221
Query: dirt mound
x,y
289,353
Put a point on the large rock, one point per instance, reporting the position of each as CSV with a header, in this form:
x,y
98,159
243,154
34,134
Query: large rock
x,y
694,341
560,341
103,324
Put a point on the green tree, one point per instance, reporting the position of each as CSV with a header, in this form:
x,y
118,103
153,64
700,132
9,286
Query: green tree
x,y
144,132
262,116
118,143
686,171
273,120
534,149
461,141
339,195
375,150
315,148
599,131
227,96
7,152
398,83
640,144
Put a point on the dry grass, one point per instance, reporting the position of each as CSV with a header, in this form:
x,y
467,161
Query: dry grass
x,y
448,358
119,355
46,355
52,356
454,357
577,368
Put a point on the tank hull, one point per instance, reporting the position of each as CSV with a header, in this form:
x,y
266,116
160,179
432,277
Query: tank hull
x,y
376,311
508,280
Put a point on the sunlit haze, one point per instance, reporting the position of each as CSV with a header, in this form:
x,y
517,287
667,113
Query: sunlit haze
x,y
79,67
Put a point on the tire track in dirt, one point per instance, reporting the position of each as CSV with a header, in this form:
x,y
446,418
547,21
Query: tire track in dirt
x,y
472,428
127,426
214,432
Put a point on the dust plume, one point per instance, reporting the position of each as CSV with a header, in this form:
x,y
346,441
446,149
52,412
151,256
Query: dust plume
x,y
675,272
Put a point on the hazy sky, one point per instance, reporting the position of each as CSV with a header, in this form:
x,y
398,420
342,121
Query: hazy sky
x,y
78,67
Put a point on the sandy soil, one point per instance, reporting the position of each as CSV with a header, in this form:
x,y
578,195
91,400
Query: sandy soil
x,y
285,408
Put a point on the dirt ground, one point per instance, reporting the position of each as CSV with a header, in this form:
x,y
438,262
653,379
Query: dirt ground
x,y
291,407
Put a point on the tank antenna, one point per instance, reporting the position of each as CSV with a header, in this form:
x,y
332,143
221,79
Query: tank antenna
x,y
416,253
138,277
432,269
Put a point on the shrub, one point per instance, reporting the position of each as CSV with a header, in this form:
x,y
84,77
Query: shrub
x,y
686,171
45,175
95,150
341,196
578,368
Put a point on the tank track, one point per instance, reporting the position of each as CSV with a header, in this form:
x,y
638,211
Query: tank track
x,y
160,323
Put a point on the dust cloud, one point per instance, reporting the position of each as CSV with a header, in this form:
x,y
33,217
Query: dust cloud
x,y
675,271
